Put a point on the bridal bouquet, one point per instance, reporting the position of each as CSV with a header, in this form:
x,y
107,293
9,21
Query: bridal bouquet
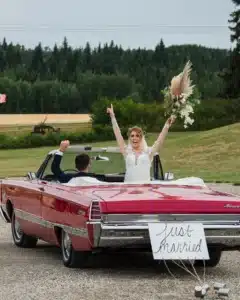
x,y
177,100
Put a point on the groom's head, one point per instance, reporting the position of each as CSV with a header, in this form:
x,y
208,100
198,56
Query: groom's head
x,y
82,162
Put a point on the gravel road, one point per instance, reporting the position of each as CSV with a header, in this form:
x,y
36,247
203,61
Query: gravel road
x,y
39,274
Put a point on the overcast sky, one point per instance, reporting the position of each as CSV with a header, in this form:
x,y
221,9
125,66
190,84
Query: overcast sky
x,y
131,23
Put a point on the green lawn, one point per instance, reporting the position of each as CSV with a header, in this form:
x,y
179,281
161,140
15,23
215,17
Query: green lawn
x,y
213,155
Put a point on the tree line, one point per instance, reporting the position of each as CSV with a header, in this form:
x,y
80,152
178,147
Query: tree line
x,y
70,80
231,75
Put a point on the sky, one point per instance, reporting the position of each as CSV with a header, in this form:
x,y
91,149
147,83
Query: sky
x,y
130,23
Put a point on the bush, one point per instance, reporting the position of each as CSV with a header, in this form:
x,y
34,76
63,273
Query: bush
x,y
217,113
51,139
208,115
128,113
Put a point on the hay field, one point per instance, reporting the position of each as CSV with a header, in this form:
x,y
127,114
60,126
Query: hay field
x,y
23,123
31,119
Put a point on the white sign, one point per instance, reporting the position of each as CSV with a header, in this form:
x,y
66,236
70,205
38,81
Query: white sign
x,y
178,241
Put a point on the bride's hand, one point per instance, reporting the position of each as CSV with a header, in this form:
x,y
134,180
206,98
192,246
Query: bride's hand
x,y
110,111
171,120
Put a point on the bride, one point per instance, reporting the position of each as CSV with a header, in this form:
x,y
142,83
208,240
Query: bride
x,y
138,156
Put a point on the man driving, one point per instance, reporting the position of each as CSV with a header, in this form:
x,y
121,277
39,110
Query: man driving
x,y
82,163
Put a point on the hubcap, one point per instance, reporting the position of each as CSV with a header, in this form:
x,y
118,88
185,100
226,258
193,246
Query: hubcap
x,y
66,245
17,229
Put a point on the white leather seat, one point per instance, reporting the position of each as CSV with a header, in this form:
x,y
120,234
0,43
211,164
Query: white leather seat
x,y
83,180
195,181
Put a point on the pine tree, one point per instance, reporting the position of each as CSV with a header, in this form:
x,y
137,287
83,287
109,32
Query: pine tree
x,y
232,76
160,55
37,63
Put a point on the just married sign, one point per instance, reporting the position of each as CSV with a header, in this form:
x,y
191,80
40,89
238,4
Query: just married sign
x,y
178,241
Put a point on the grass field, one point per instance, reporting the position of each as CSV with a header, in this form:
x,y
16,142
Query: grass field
x,y
213,155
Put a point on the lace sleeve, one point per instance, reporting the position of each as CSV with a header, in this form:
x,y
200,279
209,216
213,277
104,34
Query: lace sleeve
x,y
118,135
159,142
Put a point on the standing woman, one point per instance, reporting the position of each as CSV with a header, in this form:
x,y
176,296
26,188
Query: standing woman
x,y
138,156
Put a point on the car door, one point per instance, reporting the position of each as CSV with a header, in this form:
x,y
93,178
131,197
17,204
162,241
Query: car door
x,y
27,206
48,211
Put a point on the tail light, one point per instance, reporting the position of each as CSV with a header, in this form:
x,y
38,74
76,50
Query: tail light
x,y
95,212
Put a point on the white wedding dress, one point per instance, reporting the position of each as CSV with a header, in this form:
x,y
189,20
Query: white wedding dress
x,y
137,166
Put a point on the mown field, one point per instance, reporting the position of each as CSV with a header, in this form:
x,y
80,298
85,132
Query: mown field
x,y
24,123
213,155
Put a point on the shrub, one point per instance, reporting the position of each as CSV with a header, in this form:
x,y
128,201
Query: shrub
x,y
51,139
208,115
128,114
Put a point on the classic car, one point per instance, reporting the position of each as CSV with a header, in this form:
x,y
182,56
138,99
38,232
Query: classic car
x,y
85,215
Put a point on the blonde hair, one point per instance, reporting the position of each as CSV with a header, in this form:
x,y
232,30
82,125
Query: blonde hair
x,y
137,129
141,133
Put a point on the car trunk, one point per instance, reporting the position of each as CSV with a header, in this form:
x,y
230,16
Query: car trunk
x,y
164,199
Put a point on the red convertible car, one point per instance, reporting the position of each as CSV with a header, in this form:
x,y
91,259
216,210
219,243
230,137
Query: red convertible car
x,y
86,215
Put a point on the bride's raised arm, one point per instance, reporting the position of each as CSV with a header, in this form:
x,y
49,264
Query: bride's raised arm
x,y
160,140
116,130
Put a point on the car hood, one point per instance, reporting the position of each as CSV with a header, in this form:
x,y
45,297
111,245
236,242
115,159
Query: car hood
x,y
150,198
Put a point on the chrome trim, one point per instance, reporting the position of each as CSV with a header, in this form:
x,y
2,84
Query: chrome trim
x,y
80,148
145,226
140,218
82,232
86,148
137,235
32,218
97,234
122,230
116,238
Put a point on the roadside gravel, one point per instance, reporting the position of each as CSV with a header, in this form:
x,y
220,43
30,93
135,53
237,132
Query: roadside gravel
x,y
39,274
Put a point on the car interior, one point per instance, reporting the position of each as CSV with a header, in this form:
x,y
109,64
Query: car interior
x,y
109,167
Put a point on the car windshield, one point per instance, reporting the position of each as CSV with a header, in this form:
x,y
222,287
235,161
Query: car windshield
x,y
115,165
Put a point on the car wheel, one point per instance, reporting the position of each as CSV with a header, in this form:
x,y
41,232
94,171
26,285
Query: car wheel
x,y
19,237
72,258
215,257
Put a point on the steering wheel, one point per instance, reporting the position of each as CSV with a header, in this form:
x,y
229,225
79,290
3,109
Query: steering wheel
x,y
71,170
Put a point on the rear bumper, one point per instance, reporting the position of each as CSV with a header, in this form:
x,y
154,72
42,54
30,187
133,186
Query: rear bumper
x,y
110,236
133,235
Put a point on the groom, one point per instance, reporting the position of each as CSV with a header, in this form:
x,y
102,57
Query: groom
x,y
82,163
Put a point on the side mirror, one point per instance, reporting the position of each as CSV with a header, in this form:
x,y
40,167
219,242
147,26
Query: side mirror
x,y
168,176
31,175
101,158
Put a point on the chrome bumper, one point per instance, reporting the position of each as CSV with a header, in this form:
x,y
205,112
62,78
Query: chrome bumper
x,y
224,233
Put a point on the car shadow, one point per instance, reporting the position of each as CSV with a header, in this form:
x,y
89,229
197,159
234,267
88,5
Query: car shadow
x,y
129,263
